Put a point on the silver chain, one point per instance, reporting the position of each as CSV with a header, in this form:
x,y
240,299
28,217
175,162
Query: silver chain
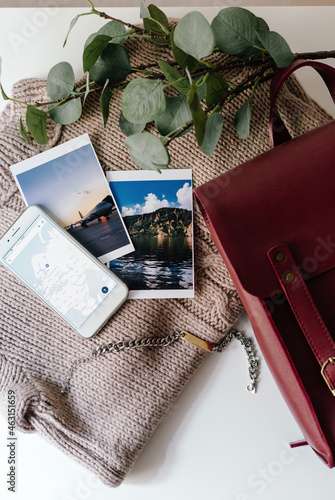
x,y
247,344
164,342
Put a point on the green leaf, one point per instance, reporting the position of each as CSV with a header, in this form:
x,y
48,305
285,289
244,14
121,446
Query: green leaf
x,y
277,47
148,151
3,93
67,113
173,76
194,35
235,30
23,130
36,121
130,128
216,88
105,98
242,120
212,134
198,114
176,114
184,60
115,30
112,65
161,41
60,81
73,22
144,11
157,22
93,50
143,100
262,25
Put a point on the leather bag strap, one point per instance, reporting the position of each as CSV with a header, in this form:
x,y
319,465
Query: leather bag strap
x,y
305,311
325,71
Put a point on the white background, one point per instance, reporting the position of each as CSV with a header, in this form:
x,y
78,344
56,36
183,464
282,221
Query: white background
x,y
218,441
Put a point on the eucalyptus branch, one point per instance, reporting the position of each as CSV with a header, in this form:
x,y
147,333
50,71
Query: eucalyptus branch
x,y
187,67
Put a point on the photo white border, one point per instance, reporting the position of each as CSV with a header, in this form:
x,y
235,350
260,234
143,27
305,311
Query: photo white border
x,y
149,175
61,150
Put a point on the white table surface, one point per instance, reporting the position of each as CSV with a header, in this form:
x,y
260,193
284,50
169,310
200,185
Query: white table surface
x,y
218,441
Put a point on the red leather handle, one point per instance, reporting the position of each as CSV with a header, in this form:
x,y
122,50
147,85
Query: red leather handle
x,y
326,72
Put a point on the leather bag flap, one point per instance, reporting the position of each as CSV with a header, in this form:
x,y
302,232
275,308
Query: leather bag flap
x,y
286,195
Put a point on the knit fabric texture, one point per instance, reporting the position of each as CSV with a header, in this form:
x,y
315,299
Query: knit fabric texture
x,y
117,400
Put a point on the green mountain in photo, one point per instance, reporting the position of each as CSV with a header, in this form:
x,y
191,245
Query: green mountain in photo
x,y
164,222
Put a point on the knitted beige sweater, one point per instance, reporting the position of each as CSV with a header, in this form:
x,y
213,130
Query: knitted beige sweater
x,y
116,401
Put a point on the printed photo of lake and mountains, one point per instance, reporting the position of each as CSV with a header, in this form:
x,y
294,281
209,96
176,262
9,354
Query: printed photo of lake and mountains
x,y
157,211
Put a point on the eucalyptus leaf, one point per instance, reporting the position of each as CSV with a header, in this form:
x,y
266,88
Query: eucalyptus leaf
x,y
179,81
143,100
3,93
235,30
36,121
277,47
105,98
242,120
161,41
73,22
216,88
157,22
194,35
112,65
23,130
262,25
144,11
93,50
198,114
115,30
60,81
184,60
129,128
68,112
176,114
212,134
148,151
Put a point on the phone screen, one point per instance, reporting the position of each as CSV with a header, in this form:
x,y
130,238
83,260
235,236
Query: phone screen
x,y
59,272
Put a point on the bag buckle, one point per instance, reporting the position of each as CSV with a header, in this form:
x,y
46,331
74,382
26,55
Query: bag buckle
x,y
331,361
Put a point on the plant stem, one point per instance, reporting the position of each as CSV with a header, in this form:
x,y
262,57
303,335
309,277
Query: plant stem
x,y
15,100
167,137
144,71
106,16
135,35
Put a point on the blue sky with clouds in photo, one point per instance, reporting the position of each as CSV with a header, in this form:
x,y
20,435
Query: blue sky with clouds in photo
x,y
138,197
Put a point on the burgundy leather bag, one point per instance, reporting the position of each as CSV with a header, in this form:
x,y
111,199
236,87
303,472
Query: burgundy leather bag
x,y
273,222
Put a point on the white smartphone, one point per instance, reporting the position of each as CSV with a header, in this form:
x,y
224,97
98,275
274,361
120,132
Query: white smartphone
x,y
82,290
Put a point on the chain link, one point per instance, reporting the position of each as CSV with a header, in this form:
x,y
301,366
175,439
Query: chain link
x,y
247,344
117,347
164,342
